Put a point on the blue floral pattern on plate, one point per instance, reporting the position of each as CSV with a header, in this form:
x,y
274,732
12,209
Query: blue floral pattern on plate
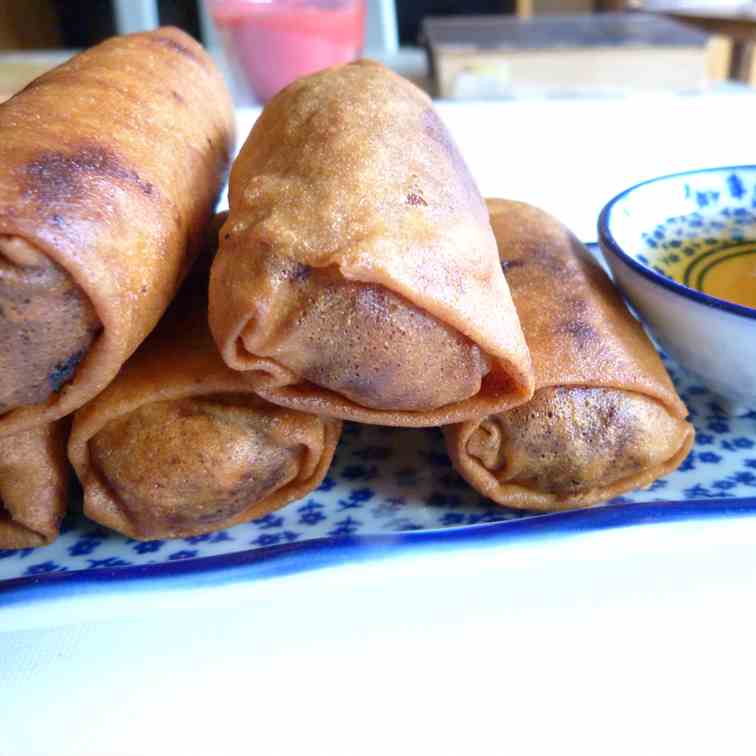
x,y
387,480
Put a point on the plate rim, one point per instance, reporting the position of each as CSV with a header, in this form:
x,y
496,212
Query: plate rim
x,y
317,553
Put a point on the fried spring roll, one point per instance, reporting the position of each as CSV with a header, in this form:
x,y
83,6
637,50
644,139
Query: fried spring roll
x,y
107,163
605,417
33,485
178,446
357,274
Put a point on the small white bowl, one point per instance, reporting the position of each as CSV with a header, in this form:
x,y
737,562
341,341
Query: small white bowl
x,y
677,225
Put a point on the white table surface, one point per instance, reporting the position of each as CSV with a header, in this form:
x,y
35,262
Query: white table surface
x,y
629,641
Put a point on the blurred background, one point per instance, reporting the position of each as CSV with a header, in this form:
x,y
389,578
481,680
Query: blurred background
x,y
456,49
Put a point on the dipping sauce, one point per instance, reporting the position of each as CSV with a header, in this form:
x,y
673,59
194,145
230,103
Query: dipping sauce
x,y
721,267
278,41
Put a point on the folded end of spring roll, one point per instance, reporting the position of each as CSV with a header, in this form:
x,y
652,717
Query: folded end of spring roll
x,y
195,464
96,211
605,417
357,274
46,328
363,352
570,447
177,445
33,485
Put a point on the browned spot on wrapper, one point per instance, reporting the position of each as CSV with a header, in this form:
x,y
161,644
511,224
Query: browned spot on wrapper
x,y
60,177
177,46
508,264
554,264
583,333
298,272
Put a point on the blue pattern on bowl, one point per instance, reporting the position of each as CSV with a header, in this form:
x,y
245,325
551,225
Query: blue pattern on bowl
x,y
717,206
651,231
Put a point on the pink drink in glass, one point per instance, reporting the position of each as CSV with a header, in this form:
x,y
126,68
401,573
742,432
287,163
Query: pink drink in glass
x,y
277,41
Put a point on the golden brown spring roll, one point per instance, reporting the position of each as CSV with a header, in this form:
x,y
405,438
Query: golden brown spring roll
x,y
357,274
178,446
33,485
605,417
107,163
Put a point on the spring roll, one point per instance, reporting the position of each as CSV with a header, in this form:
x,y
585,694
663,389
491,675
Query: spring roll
x,y
177,445
107,164
605,417
34,479
357,274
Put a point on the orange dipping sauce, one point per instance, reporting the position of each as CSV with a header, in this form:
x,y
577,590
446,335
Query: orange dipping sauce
x,y
726,270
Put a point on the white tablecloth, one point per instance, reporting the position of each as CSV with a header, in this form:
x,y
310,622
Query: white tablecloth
x,y
593,644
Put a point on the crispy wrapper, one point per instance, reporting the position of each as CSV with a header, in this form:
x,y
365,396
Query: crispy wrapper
x,y
34,477
177,445
605,417
357,275
109,164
